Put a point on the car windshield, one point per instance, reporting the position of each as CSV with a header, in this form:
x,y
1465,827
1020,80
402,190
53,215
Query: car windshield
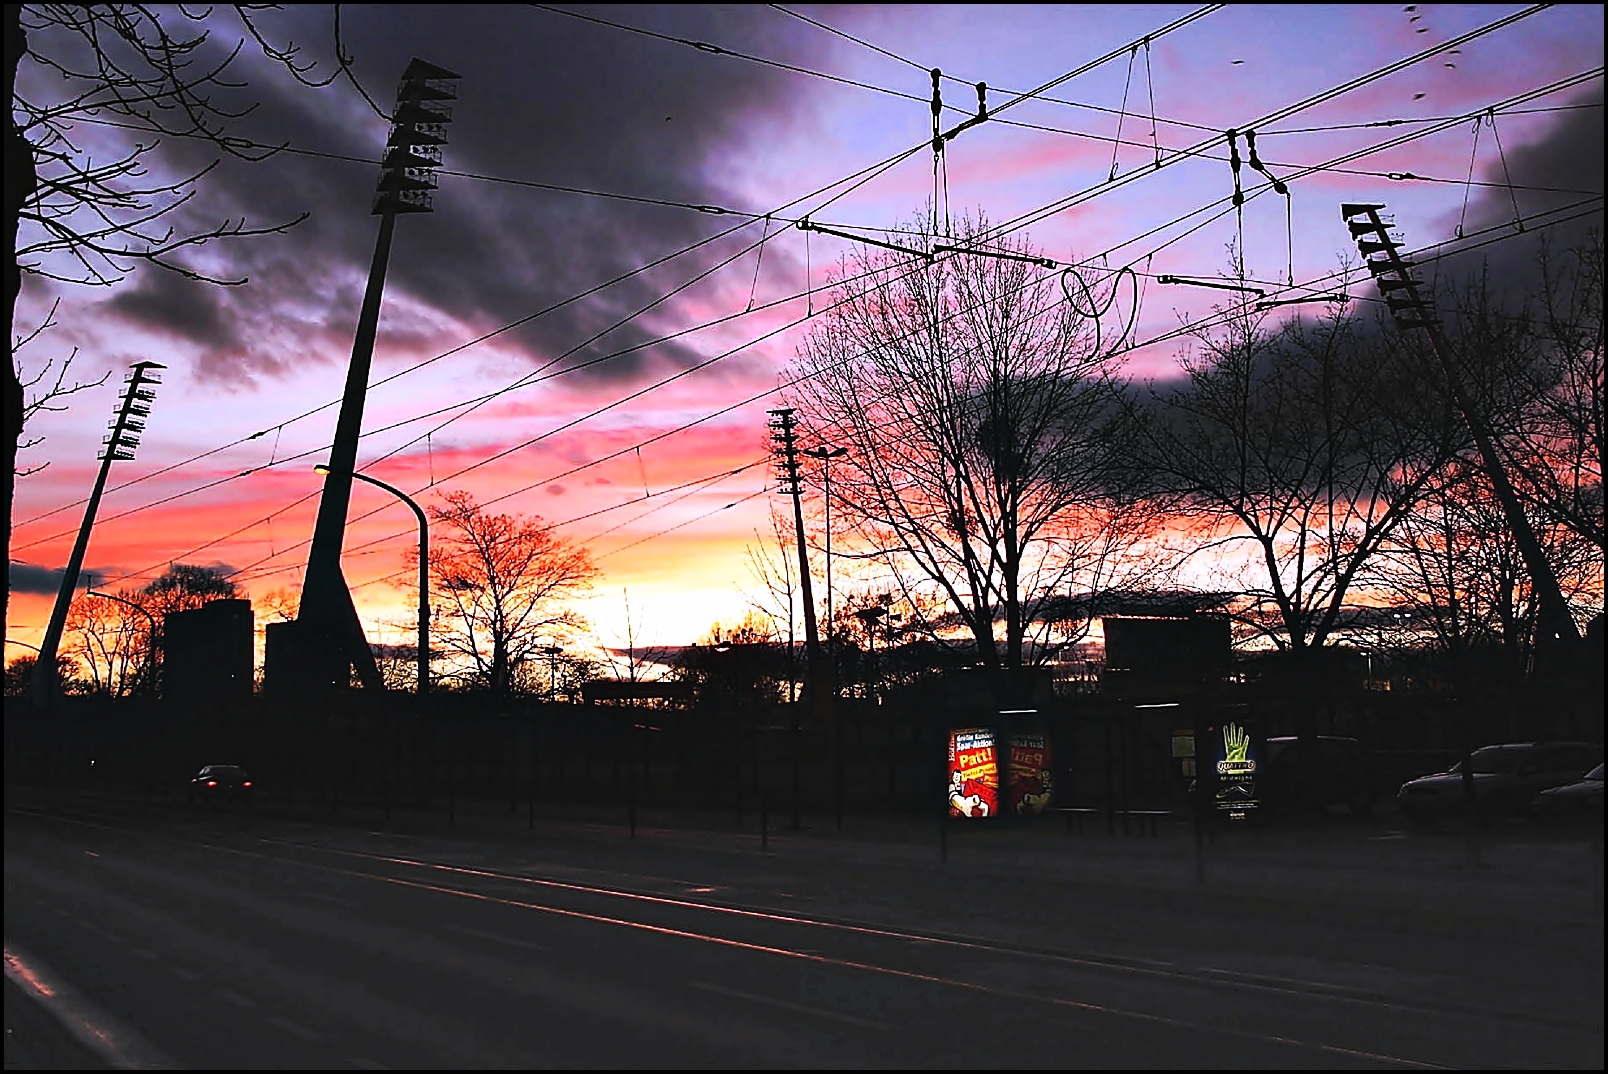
x,y
1492,761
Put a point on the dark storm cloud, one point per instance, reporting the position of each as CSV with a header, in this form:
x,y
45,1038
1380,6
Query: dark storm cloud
x,y
46,581
543,97
168,303
29,578
1568,158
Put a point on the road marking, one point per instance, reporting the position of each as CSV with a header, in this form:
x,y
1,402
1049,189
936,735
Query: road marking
x,y
183,974
797,1008
117,1045
295,1029
494,938
236,998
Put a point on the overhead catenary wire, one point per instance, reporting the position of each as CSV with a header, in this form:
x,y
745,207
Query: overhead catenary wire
x,y
867,173
728,409
1351,85
1313,168
1181,330
835,228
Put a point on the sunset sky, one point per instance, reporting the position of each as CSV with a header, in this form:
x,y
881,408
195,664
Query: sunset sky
x,y
224,475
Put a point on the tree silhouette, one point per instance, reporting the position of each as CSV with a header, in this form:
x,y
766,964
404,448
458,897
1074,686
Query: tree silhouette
x,y
503,580
976,407
79,217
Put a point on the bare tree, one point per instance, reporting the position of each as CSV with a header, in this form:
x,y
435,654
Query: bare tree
x,y
112,640
1539,371
1307,443
42,393
1454,568
504,579
974,402
85,218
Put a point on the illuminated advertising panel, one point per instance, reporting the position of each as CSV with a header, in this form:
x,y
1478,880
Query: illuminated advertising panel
x,y
973,773
1234,755
1032,786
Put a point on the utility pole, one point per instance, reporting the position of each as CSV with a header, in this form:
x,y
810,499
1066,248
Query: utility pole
x,y
328,636
1555,625
784,434
120,445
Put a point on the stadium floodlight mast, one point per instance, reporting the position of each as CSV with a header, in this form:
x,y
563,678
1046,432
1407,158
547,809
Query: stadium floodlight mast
x,y
1381,254
120,444
329,636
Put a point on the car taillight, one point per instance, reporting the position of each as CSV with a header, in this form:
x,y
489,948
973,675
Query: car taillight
x,y
212,783
247,783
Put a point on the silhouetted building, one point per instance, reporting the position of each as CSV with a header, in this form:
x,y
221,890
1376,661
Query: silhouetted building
x,y
1154,653
207,652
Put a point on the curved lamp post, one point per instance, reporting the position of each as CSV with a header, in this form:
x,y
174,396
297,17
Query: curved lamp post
x,y
424,570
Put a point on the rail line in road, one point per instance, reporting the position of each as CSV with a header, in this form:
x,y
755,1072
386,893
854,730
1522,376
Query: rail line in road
x,y
1207,977
655,913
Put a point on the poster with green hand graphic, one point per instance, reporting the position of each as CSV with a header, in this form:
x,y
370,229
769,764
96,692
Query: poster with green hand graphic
x,y
1235,751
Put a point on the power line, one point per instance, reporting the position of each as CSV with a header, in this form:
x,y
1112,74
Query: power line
x,y
1272,117
706,208
701,365
864,176
1197,325
1502,233
1016,97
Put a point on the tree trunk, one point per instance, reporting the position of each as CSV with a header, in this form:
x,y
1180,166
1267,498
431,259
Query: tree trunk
x,y
20,183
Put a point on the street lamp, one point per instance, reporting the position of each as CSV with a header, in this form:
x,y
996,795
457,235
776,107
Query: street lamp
x,y
826,455
869,617
551,652
148,675
424,570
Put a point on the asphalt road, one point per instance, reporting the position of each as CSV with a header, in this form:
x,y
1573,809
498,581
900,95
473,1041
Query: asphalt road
x,y
228,939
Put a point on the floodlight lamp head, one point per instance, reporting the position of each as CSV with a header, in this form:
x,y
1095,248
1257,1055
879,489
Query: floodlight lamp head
x,y
321,468
1349,209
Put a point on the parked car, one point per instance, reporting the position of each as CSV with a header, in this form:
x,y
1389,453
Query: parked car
x,y
1578,801
220,781
1506,778
1316,772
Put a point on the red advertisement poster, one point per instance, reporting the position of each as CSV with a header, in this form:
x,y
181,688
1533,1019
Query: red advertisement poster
x,y
1032,786
973,774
